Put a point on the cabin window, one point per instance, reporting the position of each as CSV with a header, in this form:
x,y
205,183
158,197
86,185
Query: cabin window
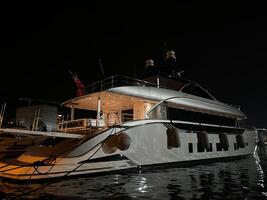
x,y
235,146
218,146
127,115
210,149
173,139
190,147
203,141
219,120
80,113
160,112
186,115
224,141
200,147
240,141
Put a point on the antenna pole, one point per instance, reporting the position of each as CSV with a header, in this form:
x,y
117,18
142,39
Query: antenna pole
x,y
2,114
71,73
101,67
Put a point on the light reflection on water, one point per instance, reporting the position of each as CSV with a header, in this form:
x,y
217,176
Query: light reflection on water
x,y
240,179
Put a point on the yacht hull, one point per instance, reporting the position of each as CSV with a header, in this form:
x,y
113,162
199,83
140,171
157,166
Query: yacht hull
x,y
148,147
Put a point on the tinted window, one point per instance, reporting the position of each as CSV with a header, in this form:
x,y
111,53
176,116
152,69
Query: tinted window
x,y
127,115
184,115
190,147
210,149
218,146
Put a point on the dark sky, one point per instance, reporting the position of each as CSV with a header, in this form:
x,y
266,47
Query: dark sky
x,y
222,46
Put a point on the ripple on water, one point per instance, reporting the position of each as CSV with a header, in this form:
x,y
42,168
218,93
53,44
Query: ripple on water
x,y
241,179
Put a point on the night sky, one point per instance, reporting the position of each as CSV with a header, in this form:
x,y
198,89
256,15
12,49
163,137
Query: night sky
x,y
222,46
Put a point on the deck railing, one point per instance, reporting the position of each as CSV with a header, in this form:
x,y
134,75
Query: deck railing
x,y
79,124
116,81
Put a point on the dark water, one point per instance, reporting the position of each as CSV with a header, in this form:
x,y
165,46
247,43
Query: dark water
x,y
240,179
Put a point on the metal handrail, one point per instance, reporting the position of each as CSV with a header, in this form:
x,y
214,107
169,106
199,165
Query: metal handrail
x,y
116,81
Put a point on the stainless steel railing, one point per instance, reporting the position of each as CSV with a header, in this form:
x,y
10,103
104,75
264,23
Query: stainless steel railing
x,y
116,81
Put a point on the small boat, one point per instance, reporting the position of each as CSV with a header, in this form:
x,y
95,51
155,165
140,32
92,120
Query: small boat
x,y
159,120
12,145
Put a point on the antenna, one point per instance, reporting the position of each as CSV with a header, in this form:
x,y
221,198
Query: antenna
x,y
165,47
101,67
71,73
2,113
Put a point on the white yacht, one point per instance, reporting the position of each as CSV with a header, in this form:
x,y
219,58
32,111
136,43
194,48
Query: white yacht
x,y
161,120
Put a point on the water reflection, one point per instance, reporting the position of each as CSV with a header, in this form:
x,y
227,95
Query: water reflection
x,y
241,179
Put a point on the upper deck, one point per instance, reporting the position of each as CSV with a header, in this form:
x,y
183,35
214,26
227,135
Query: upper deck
x,y
116,81
173,83
120,93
